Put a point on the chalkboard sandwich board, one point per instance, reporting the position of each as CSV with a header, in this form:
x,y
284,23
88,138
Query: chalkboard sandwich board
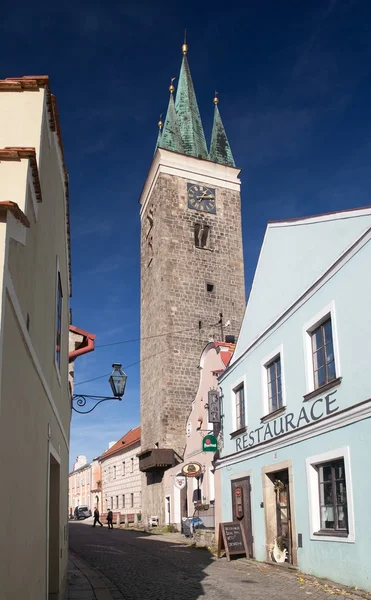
x,y
232,539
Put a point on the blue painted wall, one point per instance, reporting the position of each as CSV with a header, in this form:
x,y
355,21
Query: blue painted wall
x,y
293,255
350,290
343,562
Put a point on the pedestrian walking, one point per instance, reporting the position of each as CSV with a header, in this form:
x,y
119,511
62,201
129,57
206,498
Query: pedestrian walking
x,y
96,517
110,519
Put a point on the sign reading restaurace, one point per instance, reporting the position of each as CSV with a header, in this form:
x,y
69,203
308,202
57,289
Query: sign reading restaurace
x,y
209,443
322,407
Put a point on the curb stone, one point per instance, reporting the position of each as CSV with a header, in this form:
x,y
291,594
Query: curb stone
x,y
86,583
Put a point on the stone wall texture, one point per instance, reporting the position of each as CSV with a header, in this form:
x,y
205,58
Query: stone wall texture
x,y
178,315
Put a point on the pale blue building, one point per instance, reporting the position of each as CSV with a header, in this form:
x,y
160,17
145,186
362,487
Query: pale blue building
x,y
295,466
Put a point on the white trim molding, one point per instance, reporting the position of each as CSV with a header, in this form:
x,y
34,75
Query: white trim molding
x,y
327,312
188,167
236,384
313,494
278,352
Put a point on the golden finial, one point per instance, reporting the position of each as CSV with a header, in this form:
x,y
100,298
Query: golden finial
x,y
160,123
171,87
185,47
216,99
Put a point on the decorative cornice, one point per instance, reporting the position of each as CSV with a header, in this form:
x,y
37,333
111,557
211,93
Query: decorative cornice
x,y
10,153
342,418
8,205
31,83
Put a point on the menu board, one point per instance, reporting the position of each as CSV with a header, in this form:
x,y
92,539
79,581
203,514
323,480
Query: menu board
x,y
232,539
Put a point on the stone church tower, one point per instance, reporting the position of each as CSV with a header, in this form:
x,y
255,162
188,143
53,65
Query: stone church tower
x,y
192,275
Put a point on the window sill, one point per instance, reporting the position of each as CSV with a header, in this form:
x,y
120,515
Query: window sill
x,y
323,388
238,432
331,533
272,415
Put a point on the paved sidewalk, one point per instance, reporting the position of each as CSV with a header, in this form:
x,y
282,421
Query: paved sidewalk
x,y
85,583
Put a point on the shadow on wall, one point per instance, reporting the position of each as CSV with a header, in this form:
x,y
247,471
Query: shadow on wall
x,y
140,566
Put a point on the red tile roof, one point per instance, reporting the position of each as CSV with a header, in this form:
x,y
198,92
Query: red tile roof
x,y
129,439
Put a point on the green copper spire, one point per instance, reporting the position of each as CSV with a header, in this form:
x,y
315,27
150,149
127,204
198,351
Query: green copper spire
x,y
160,126
170,137
189,118
220,150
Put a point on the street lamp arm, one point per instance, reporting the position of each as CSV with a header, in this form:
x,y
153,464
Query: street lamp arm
x,y
81,400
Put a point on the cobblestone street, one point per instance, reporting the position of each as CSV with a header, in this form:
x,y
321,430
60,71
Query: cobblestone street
x,y
138,566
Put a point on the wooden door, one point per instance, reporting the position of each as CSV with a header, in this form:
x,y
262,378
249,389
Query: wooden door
x,y
241,503
283,515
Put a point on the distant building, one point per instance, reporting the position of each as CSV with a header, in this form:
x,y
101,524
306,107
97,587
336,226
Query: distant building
x,y
79,484
35,395
84,485
294,468
121,478
184,494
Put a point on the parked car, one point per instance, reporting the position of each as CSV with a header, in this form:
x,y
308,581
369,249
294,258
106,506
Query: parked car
x,y
82,512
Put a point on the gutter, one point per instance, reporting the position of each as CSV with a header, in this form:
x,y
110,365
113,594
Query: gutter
x,y
87,345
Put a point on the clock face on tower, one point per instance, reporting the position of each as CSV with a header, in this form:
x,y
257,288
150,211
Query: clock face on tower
x,y
201,197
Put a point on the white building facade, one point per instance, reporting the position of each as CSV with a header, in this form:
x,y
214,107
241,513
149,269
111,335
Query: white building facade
x,y
35,287
121,478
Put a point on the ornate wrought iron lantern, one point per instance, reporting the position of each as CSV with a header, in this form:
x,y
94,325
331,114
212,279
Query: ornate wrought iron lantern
x,y
117,382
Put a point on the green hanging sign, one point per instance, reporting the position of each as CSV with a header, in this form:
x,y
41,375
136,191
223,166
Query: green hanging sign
x,y
209,443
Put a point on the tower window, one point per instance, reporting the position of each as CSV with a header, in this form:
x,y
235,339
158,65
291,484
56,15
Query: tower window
x,y
210,287
202,236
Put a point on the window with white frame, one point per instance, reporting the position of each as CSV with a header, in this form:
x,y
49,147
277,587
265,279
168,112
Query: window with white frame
x,y
333,496
123,500
114,472
321,348
123,469
323,354
239,395
58,324
330,496
274,382
132,465
131,500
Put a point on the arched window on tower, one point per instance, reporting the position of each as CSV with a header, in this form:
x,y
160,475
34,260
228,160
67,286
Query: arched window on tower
x,y
202,236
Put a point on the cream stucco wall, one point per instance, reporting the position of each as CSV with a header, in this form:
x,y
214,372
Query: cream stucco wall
x,y
34,395
197,427
116,482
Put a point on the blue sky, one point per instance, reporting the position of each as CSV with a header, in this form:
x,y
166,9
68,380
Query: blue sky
x,y
295,90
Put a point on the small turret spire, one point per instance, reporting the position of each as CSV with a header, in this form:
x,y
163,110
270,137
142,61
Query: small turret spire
x,y
220,150
170,137
160,126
